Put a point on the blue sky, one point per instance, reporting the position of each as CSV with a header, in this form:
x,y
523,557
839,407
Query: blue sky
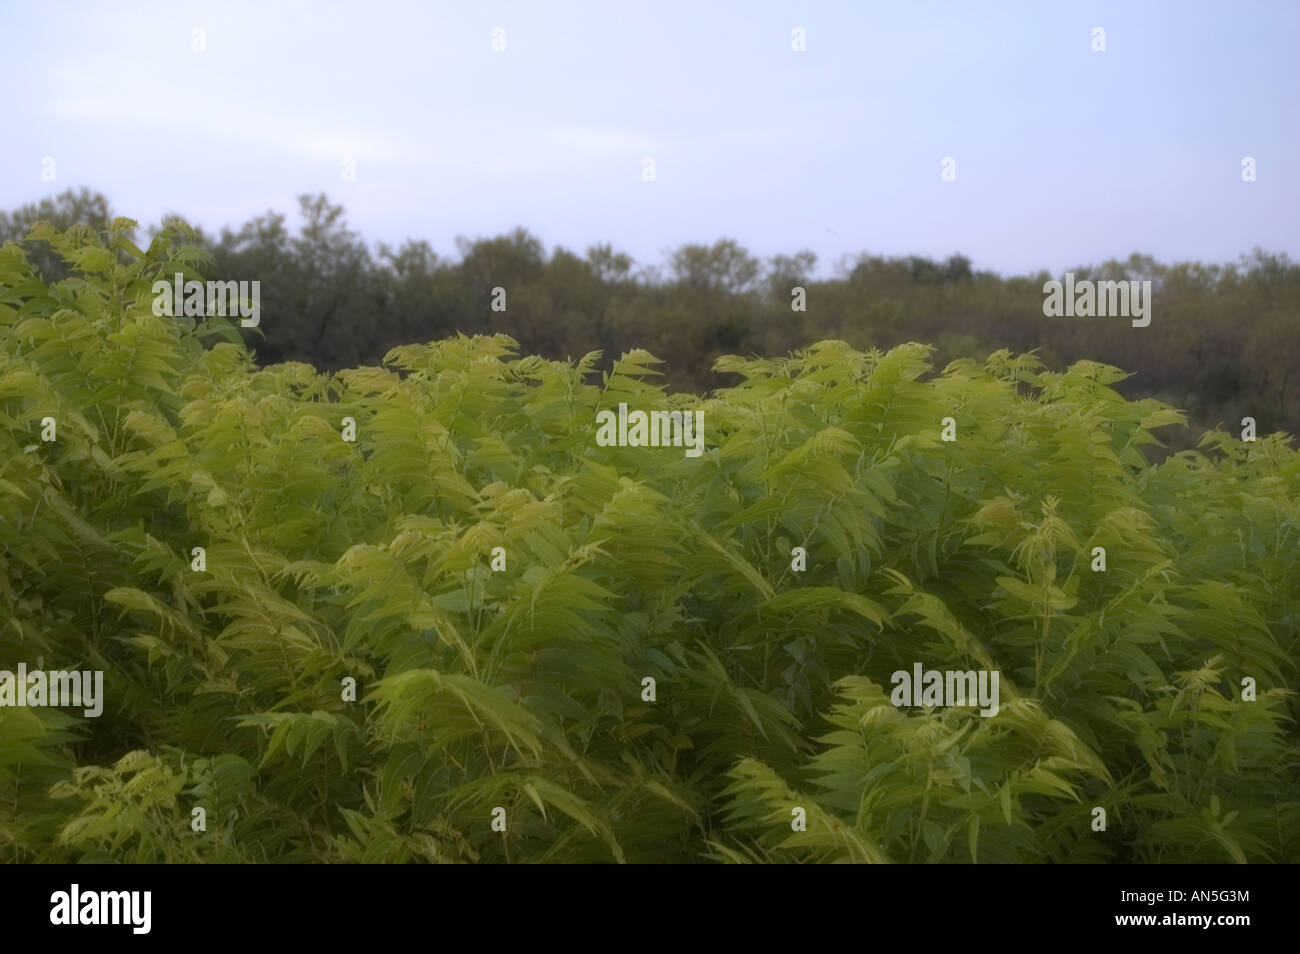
x,y
1064,156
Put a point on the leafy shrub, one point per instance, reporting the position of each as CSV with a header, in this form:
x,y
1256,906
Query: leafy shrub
x,y
522,688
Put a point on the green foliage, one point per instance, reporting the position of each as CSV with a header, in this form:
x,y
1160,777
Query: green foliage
x,y
522,688
1221,344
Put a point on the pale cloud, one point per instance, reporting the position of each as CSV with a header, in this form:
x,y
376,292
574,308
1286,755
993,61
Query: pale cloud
x,y
591,139
193,122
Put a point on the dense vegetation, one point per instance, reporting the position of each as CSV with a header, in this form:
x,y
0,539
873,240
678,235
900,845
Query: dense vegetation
x,y
521,687
1223,344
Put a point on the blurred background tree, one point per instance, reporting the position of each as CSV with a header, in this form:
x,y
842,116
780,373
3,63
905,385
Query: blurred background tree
x,y
1224,341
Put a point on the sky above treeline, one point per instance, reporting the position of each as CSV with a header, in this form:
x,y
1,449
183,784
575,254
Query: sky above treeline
x,y
1063,155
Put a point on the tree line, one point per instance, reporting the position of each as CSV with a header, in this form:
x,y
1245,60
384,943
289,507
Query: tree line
x,y
1224,341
